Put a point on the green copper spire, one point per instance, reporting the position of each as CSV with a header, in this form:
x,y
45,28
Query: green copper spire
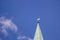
x,y
38,33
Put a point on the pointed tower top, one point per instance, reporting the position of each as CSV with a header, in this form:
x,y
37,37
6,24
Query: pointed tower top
x,y
38,20
38,33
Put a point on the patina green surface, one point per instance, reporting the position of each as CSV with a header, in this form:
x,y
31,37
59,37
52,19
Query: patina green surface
x,y
38,33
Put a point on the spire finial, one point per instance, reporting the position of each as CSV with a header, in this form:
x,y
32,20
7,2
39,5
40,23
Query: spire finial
x,y
38,20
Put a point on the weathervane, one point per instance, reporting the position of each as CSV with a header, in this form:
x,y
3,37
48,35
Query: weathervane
x,y
38,20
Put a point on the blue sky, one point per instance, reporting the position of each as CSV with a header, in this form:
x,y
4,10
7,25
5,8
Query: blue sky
x,y
24,13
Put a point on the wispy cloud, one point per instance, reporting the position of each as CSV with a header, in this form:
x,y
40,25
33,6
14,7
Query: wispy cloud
x,y
7,24
24,38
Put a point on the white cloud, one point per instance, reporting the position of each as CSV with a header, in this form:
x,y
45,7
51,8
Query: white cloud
x,y
4,32
24,38
7,24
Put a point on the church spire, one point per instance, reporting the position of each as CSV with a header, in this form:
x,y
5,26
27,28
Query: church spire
x,y
38,33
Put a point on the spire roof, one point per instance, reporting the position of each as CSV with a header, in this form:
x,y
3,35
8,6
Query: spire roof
x,y
38,33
